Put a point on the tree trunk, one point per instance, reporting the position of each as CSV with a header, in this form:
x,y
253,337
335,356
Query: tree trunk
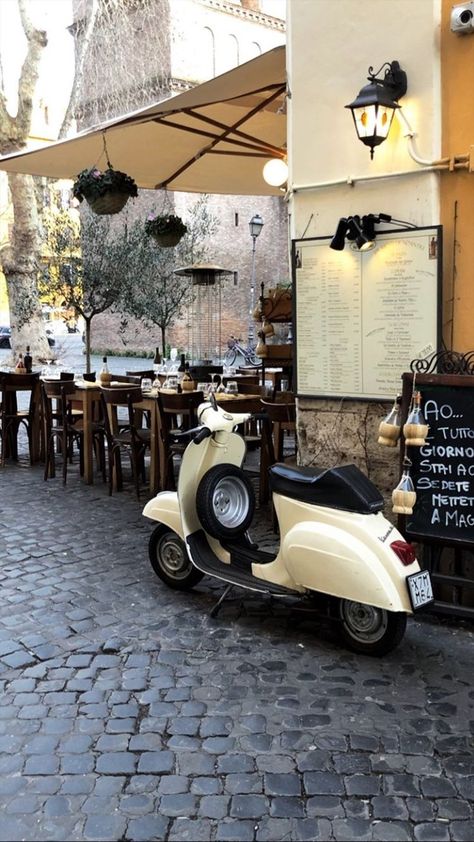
x,y
20,267
163,342
88,343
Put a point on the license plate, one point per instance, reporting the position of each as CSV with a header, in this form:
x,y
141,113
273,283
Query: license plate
x,y
420,589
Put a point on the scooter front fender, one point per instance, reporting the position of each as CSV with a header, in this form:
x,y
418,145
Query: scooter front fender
x,y
164,508
322,557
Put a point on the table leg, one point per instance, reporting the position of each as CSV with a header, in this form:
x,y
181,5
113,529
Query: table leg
x,y
87,406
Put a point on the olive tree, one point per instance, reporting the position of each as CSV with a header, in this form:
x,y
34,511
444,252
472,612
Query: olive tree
x,y
150,289
84,264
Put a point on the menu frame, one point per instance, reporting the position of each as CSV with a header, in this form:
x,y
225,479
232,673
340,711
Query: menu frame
x,y
429,308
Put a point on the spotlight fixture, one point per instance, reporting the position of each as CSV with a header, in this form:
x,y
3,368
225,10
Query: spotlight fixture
x,y
361,232
376,103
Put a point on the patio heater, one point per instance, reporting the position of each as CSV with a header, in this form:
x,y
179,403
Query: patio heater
x,y
205,333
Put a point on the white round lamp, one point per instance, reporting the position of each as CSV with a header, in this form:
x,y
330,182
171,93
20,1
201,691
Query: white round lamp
x,y
275,172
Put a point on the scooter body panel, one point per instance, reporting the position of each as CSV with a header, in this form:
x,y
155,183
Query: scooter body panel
x,y
164,508
343,553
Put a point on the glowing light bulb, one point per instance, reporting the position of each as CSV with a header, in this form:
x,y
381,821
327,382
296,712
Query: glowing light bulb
x,y
275,172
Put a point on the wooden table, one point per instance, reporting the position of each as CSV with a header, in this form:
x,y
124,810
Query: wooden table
x,y
87,396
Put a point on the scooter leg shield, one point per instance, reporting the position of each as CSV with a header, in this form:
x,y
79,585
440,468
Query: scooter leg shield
x,y
323,558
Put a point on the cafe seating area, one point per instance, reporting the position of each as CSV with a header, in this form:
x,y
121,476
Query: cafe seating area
x,y
123,432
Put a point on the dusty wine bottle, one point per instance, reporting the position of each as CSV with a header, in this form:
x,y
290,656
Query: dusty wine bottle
x,y
28,360
105,376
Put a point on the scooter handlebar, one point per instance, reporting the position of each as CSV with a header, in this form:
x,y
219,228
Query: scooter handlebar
x,y
203,433
195,434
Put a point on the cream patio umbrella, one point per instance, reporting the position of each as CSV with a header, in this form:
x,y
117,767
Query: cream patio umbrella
x,y
214,138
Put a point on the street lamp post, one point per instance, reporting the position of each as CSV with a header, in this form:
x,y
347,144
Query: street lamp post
x,y
255,226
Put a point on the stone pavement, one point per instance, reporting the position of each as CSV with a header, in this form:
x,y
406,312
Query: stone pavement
x,y
126,713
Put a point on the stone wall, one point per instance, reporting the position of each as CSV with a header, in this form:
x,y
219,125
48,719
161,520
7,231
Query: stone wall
x,y
336,432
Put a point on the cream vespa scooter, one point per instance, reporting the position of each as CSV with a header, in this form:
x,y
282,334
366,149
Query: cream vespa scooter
x,y
336,546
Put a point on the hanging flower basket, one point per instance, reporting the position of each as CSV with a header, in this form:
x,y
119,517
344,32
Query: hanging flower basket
x,y
105,192
166,229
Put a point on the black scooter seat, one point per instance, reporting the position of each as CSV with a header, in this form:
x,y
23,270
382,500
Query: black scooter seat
x,y
343,487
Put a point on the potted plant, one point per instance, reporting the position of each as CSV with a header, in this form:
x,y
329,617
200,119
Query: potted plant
x,y
166,229
106,192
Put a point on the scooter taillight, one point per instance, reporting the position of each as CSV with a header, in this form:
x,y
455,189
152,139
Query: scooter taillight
x,y
404,551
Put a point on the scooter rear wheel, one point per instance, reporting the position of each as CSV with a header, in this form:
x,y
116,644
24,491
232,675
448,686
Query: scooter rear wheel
x,y
170,560
225,501
370,630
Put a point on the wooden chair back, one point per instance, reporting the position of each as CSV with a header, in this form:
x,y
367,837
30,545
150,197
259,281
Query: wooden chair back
x,y
11,417
177,412
281,420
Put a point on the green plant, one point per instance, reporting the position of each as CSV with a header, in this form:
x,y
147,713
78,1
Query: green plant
x,y
92,183
165,224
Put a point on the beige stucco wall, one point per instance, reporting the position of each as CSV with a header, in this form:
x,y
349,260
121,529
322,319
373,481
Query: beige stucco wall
x,y
330,47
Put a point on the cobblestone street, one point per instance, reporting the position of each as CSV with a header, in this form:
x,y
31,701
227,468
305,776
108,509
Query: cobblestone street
x,y
128,714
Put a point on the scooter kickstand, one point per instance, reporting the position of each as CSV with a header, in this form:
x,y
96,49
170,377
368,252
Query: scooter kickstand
x,y
217,607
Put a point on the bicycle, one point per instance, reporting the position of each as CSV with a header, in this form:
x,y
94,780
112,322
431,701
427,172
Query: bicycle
x,y
235,350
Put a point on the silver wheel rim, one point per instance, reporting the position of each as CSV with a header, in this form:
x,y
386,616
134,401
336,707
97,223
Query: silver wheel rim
x,y
230,502
172,557
364,623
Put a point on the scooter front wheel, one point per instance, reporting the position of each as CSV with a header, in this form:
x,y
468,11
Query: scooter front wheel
x,y
170,560
370,630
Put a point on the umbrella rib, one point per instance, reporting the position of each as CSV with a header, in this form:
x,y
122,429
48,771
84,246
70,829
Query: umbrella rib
x,y
224,136
256,144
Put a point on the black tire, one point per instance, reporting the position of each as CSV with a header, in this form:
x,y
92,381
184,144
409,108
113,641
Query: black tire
x,y
254,360
170,560
225,502
370,630
230,357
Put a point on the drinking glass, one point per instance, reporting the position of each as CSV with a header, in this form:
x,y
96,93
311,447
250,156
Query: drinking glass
x,y
232,387
203,387
146,384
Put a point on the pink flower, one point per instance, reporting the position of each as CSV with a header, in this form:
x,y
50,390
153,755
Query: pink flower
x,y
97,173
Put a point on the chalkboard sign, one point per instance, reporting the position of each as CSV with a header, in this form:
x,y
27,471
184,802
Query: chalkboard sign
x,y
443,470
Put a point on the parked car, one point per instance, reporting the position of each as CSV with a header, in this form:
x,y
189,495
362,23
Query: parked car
x,y
5,334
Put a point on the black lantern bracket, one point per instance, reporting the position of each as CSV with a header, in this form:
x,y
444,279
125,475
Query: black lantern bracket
x,y
394,79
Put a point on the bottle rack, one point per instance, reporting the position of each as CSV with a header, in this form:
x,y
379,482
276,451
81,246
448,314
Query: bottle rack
x,y
275,308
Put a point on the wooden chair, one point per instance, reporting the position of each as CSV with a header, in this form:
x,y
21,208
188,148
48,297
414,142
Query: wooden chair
x,y
281,421
177,413
128,437
250,388
63,427
11,418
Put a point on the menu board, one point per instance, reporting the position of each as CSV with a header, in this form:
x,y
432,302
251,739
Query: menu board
x,y
361,317
443,469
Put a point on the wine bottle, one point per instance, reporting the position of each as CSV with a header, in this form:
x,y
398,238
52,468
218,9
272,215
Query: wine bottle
x,y
187,383
182,365
20,365
28,360
105,376
157,357
415,428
